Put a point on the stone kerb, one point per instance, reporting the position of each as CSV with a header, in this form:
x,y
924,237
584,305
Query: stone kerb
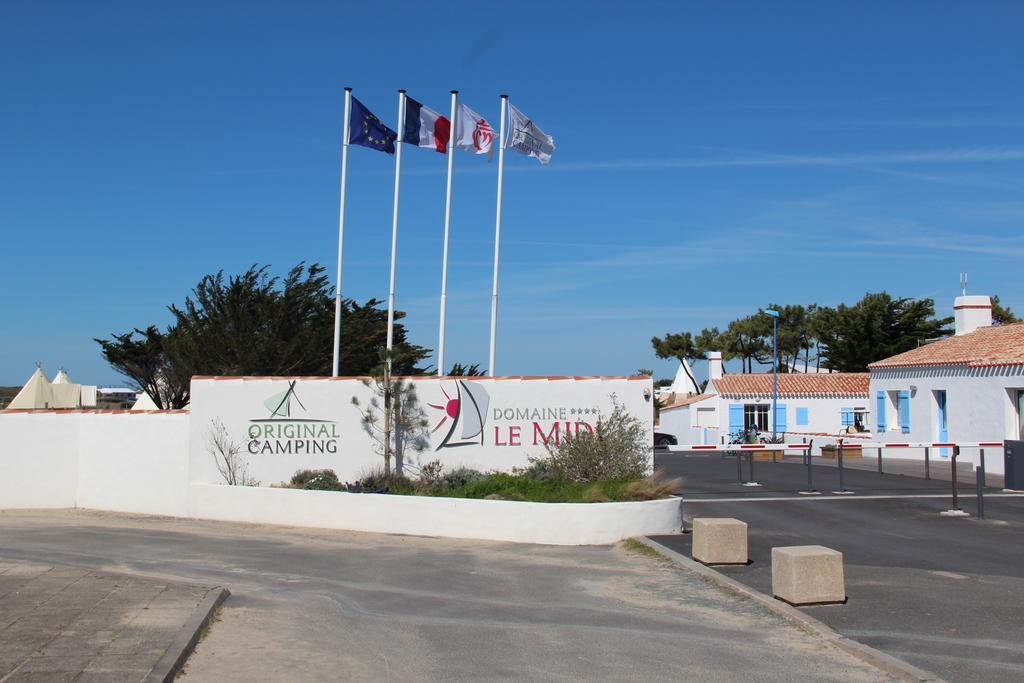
x,y
808,575
719,540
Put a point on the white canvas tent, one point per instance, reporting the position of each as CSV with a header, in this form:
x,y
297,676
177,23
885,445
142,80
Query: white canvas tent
x,y
144,402
684,382
61,394
39,394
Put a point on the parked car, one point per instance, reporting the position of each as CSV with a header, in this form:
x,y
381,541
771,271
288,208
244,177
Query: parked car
x,y
663,439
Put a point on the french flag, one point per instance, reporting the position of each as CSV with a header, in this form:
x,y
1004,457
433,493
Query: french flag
x,y
424,127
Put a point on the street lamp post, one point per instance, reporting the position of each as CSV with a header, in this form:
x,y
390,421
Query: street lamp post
x,y
775,369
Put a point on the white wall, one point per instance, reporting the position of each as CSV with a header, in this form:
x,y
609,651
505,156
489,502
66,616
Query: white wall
x,y
38,460
518,414
979,406
157,462
549,523
134,462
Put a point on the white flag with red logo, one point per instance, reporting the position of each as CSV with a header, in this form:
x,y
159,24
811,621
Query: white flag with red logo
x,y
473,133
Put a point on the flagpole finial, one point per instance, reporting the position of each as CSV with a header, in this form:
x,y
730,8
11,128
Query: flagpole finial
x,y
348,89
455,92
401,91
504,97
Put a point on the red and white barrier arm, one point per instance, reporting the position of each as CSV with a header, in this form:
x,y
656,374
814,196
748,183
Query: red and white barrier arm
x,y
743,447
936,444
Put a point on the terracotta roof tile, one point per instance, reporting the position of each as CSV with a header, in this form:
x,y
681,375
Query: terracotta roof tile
x,y
681,400
838,384
996,345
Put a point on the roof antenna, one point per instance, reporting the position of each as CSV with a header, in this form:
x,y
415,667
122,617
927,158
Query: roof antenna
x,y
963,283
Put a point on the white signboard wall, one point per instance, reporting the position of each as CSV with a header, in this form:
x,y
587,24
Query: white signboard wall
x,y
281,425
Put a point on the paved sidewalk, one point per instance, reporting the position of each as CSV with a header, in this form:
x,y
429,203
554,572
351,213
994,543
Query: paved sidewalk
x,y
62,623
321,605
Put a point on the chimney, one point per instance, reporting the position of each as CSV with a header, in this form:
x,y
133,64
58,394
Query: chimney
x,y
714,365
971,312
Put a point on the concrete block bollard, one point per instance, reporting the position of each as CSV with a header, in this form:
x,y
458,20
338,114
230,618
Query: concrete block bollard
x,y
719,540
808,575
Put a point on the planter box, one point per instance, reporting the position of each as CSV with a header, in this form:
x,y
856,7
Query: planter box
x,y
832,452
494,520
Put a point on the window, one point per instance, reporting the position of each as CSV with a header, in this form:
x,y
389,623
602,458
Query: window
x,y
801,417
892,410
853,419
706,417
755,417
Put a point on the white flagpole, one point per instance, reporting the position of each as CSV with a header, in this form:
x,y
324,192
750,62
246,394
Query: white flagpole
x,y
394,226
447,223
341,233
497,233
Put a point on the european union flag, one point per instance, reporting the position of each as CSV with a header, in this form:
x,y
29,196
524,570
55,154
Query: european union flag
x,y
367,130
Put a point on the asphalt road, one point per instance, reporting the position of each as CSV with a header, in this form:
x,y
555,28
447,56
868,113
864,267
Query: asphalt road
x,y
327,605
945,594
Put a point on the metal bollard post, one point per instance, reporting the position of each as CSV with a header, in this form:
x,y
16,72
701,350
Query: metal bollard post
x,y
841,487
981,464
956,483
810,483
880,460
751,456
979,476
927,463
739,467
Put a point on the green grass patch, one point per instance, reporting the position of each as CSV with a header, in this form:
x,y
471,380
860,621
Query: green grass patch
x,y
634,546
503,486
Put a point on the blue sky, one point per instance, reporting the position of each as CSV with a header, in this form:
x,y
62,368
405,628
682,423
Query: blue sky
x,y
711,158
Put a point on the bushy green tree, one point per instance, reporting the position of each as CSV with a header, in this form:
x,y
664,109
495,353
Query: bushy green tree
x,y
258,324
1002,315
876,327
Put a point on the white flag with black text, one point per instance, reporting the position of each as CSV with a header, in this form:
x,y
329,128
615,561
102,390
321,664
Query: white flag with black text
x,y
526,138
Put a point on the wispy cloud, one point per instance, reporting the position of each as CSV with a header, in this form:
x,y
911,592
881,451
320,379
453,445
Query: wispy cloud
x,y
944,156
965,122
962,155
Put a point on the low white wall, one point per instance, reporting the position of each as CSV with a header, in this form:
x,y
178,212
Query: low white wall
x,y
134,463
38,460
547,523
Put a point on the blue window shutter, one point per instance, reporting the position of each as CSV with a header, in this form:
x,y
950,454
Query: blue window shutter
x,y
846,417
904,409
880,411
780,417
801,416
735,418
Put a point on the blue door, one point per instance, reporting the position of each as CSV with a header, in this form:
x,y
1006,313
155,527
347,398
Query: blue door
x,y
942,430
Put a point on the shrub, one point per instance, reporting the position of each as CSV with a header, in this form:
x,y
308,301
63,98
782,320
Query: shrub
x,y
430,474
619,448
539,469
652,488
459,477
379,481
316,480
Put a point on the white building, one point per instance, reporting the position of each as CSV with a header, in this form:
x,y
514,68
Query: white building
x,y
808,405
968,387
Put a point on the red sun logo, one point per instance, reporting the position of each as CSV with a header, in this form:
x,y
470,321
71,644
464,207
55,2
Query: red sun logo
x,y
450,408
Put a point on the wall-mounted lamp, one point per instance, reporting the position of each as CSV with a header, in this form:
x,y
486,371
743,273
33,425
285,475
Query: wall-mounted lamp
x,y
647,394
